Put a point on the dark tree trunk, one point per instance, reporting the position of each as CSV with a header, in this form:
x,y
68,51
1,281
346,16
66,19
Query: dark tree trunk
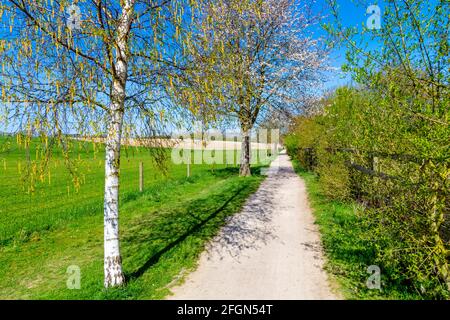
x,y
244,170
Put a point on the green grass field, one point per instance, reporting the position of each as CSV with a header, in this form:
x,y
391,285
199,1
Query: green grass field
x,y
163,229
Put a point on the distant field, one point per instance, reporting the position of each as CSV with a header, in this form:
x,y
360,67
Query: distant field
x,y
195,144
43,231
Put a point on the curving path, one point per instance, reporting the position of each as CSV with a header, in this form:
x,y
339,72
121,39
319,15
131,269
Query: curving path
x,y
270,250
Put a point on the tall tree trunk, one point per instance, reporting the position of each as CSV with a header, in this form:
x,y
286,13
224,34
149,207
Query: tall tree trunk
x,y
113,262
244,170
112,259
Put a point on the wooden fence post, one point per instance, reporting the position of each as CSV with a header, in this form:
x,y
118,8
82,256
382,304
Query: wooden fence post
x,y
372,162
141,176
188,169
308,158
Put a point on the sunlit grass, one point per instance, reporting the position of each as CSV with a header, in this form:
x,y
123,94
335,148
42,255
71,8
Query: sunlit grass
x,y
163,229
348,247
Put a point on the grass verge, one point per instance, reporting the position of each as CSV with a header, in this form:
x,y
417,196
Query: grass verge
x,y
347,245
162,229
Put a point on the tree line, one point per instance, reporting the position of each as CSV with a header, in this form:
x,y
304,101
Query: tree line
x,y
385,141
134,68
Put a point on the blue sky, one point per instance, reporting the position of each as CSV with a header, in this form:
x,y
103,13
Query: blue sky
x,y
353,14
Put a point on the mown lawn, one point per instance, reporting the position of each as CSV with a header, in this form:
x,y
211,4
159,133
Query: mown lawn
x,y
348,246
163,229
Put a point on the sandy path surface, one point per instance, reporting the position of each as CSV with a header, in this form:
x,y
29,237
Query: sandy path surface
x,y
270,250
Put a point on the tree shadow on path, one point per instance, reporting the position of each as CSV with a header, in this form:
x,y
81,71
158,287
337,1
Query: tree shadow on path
x,y
150,239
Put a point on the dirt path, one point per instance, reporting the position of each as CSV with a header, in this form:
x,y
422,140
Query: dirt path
x,y
270,250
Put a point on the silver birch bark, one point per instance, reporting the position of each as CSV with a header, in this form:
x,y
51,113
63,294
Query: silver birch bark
x,y
112,259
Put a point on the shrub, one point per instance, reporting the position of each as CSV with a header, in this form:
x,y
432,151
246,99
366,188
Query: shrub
x,y
334,180
370,148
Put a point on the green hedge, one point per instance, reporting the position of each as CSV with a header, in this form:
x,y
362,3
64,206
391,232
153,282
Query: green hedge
x,y
368,147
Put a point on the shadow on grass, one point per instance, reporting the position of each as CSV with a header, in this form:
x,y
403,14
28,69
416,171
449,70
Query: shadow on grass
x,y
347,237
194,228
234,170
197,219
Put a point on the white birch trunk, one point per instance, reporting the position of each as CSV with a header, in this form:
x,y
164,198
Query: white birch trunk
x,y
112,259
113,262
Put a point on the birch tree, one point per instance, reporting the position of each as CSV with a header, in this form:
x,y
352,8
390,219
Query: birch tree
x,y
90,67
252,57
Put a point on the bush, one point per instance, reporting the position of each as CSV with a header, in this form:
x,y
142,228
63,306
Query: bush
x,y
334,180
369,148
